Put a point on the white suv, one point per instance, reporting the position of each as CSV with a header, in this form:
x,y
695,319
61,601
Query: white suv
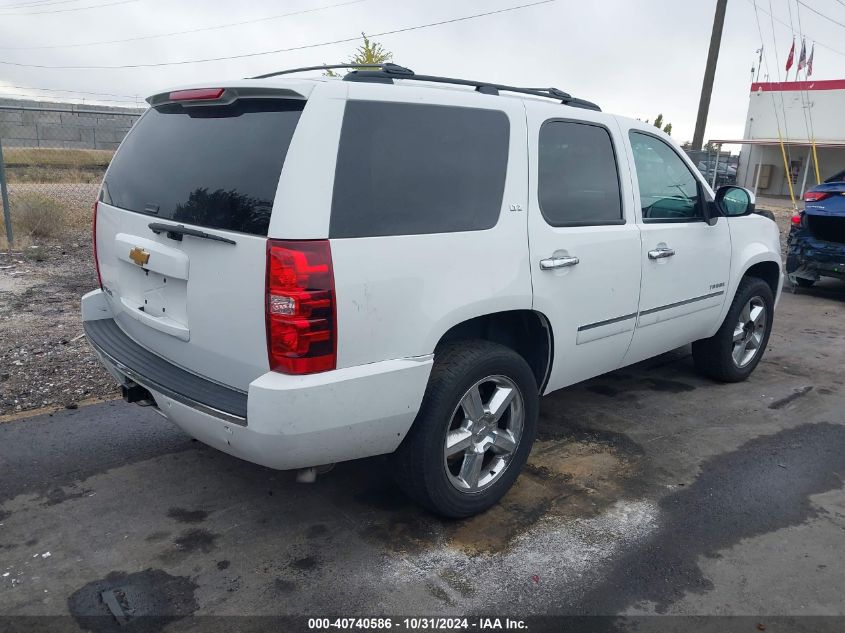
x,y
304,271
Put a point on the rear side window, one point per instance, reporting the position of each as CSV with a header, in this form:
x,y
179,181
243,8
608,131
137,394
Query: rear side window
x,y
214,166
408,169
578,183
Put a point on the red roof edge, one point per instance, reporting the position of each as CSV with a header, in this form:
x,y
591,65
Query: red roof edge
x,y
777,86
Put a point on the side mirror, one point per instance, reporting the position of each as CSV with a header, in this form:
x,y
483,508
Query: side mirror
x,y
733,201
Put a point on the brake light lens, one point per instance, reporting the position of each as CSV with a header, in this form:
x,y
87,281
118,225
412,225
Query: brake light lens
x,y
300,307
797,218
94,242
197,94
815,196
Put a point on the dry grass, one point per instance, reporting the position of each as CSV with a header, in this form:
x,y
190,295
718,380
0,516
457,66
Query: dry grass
x,y
60,158
40,165
35,215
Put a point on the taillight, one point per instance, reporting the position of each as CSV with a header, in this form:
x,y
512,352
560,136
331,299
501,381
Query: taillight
x,y
797,218
197,94
815,196
300,307
94,242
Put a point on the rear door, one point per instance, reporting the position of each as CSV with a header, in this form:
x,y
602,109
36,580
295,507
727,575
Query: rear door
x,y
212,167
583,239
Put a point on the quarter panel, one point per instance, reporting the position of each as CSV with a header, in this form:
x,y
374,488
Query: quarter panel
x,y
397,295
304,195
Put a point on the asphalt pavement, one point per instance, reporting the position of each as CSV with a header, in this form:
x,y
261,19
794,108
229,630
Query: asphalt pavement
x,y
650,490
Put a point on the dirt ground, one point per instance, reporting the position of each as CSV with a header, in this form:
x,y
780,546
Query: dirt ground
x,y
44,360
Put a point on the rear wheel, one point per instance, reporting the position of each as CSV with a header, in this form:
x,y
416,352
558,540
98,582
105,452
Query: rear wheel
x,y
733,352
474,430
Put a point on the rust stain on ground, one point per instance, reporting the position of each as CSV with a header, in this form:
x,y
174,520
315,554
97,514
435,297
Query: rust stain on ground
x,y
573,479
576,477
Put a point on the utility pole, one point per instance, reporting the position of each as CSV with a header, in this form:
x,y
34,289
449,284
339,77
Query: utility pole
x,y
709,73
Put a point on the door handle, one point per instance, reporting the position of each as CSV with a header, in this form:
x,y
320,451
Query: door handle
x,y
661,253
551,263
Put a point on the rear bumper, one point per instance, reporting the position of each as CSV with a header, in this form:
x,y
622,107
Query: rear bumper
x,y
282,421
809,258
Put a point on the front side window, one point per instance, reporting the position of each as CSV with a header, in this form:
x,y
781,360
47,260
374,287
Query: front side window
x,y
577,183
410,169
668,190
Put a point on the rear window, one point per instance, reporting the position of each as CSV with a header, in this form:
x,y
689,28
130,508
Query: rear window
x,y
214,166
408,169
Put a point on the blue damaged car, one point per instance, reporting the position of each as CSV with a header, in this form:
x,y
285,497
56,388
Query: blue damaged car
x,y
816,244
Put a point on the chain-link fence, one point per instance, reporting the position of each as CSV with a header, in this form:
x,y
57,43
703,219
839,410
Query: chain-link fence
x,y
53,160
718,168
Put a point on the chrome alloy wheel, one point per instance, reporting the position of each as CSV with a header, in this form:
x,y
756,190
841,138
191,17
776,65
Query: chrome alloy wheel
x,y
484,433
749,332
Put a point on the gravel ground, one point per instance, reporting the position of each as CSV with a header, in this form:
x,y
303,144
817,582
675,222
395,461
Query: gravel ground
x,y
76,195
43,360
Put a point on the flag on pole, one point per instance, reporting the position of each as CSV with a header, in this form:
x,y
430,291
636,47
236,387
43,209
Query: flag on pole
x,y
791,56
810,60
802,58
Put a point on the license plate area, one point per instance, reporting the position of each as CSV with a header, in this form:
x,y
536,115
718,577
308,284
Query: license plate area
x,y
157,295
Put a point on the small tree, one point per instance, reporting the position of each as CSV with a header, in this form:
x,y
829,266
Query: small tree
x,y
369,52
658,123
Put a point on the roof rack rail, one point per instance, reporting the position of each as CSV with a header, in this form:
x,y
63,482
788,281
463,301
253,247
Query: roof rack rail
x,y
290,71
387,72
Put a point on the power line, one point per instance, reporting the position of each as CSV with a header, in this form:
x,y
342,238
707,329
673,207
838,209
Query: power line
x,y
79,92
36,96
778,20
817,12
93,6
198,30
284,50
36,4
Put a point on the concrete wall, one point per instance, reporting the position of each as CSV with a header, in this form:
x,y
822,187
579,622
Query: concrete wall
x,y
801,110
63,125
808,107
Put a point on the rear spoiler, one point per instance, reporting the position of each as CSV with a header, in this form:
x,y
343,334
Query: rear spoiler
x,y
220,96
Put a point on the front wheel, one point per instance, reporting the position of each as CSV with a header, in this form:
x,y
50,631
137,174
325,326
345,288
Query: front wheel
x,y
473,432
733,352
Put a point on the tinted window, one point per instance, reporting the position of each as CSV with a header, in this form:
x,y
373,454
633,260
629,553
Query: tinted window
x,y
668,190
840,177
578,182
215,166
406,169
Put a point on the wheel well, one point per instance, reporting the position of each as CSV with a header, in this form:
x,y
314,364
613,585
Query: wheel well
x,y
768,272
526,332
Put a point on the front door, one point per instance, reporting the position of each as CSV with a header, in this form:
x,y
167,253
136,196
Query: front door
x,y
584,241
685,261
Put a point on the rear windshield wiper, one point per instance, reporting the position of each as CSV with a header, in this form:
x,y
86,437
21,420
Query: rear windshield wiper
x,y
176,231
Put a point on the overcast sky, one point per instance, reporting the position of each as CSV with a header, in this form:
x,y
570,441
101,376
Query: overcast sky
x,y
637,58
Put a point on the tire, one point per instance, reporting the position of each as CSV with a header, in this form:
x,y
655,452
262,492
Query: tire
x,y
720,356
804,283
445,485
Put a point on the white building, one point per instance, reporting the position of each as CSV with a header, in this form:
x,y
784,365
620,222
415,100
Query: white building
x,y
801,111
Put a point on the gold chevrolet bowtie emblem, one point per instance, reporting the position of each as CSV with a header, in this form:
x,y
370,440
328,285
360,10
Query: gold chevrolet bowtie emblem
x,y
139,256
